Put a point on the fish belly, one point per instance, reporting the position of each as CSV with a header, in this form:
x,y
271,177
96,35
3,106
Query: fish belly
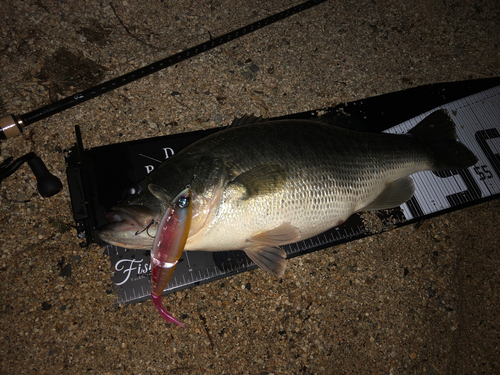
x,y
312,205
330,173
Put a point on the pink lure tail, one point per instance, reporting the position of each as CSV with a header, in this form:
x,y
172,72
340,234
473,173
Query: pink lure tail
x,y
164,313
168,246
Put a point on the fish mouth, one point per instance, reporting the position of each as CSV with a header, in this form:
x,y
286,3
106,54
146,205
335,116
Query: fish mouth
x,y
132,227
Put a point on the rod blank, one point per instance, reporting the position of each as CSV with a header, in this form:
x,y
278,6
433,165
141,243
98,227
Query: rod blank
x,y
13,125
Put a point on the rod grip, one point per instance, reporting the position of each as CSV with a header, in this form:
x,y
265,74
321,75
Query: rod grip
x,y
10,126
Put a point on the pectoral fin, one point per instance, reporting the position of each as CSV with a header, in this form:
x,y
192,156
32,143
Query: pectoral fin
x,y
265,251
261,180
395,194
160,193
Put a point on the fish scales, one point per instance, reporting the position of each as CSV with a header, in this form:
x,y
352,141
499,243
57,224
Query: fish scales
x,y
330,173
264,184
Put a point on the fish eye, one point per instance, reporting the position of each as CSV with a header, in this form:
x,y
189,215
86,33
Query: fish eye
x,y
134,189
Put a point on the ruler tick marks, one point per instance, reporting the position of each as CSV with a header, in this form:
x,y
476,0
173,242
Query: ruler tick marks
x,y
476,127
187,260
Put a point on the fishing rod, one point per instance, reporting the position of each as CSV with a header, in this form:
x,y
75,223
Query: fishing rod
x,y
13,125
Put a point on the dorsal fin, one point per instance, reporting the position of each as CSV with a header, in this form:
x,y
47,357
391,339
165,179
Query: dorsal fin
x,y
246,120
344,120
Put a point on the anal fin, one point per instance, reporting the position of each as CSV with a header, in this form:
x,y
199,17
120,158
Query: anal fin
x,y
395,194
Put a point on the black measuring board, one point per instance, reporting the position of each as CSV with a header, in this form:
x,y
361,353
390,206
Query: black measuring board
x,y
97,180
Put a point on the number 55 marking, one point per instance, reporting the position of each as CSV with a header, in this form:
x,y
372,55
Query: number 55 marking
x,y
483,172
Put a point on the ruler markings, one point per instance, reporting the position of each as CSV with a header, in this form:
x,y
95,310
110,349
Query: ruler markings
x,y
477,114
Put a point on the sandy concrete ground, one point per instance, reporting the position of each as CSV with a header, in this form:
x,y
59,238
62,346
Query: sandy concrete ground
x,y
421,299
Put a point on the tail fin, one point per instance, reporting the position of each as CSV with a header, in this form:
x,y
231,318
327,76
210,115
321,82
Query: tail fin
x,y
437,131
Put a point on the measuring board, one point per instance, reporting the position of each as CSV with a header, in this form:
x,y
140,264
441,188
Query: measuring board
x,y
94,189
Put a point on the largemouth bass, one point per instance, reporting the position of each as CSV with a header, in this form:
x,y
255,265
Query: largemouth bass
x,y
262,184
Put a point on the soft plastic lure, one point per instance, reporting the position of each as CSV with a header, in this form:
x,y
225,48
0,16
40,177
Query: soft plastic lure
x,y
168,246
